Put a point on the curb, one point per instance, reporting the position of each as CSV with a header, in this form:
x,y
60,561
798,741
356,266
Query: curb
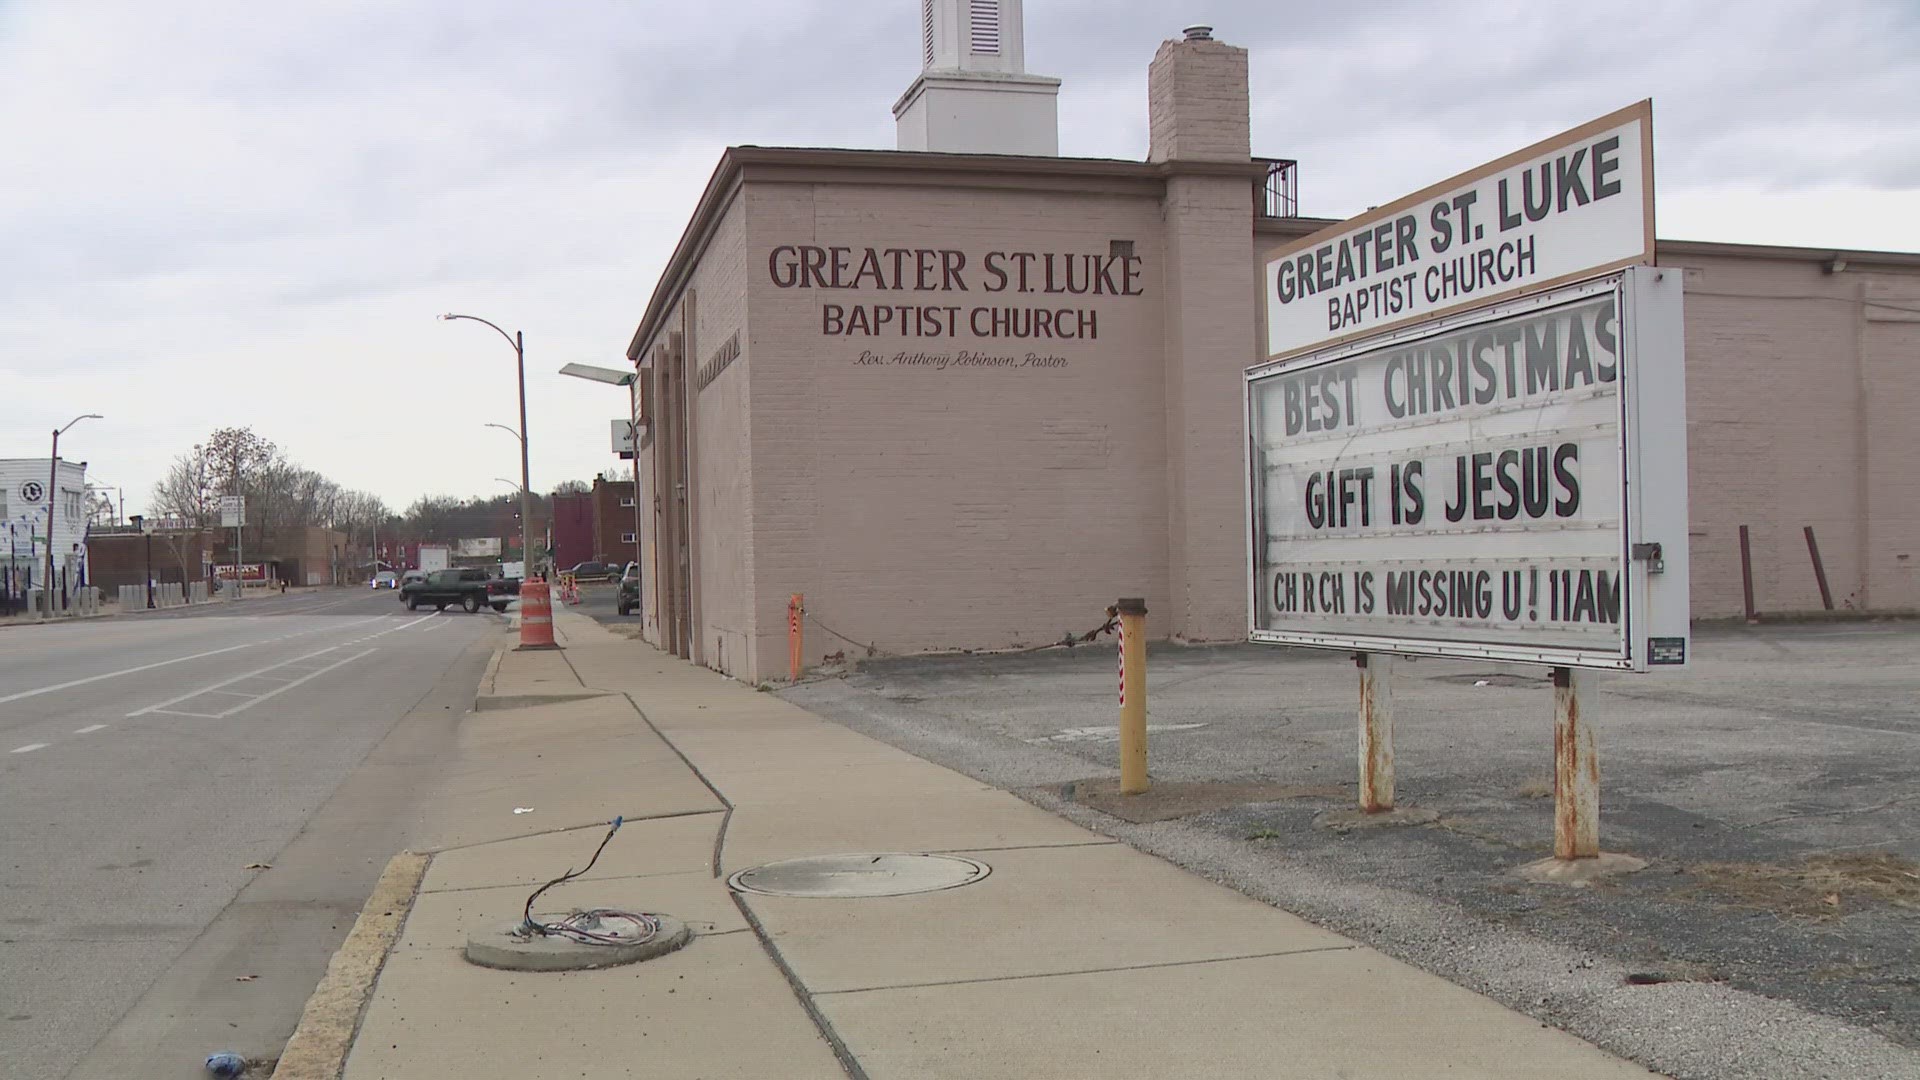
x,y
320,1043
492,672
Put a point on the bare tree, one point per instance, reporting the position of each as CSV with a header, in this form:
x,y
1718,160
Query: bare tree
x,y
100,508
188,490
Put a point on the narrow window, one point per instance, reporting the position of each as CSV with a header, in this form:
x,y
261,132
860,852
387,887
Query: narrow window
x,y
926,32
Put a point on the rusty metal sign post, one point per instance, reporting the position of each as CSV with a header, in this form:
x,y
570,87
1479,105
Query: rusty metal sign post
x,y
1376,731
1576,772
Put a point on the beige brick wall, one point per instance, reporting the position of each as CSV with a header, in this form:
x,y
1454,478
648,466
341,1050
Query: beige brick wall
x,y
1209,343
722,453
1891,344
1799,401
920,508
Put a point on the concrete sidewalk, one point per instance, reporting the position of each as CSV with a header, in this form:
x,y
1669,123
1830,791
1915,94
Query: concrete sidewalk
x,y
1077,956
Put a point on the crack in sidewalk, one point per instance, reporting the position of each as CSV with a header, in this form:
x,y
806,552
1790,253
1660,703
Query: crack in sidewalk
x,y
1089,971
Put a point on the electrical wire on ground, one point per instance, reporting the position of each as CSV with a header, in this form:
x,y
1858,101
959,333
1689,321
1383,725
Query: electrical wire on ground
x,y
585,926
1067,641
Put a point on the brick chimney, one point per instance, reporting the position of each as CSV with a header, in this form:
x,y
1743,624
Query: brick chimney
x,y
1197,108
1197,100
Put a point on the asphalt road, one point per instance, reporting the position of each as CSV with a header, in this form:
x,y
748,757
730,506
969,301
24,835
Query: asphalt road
x,y
147,761
1773,786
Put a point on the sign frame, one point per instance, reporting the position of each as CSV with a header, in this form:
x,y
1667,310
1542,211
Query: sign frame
x,y
1655,618
626,437
1641,113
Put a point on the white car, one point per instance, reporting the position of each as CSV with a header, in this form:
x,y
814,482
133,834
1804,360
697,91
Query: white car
x,y
385,579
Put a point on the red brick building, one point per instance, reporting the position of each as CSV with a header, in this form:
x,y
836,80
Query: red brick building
x,y
574,536
615,528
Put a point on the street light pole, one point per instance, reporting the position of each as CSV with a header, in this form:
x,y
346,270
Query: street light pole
x,y
53,492
518,341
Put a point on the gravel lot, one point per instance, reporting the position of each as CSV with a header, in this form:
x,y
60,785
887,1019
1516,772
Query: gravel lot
x,y
1774,788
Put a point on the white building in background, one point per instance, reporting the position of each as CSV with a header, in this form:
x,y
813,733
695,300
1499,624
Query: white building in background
x,y
23,509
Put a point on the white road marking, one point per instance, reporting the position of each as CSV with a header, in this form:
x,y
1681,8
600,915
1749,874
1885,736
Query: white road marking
x,y
89,729
24,694
29,748
276,692
224,683
220,687
1104,734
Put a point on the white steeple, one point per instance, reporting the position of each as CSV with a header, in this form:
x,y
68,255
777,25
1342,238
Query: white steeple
x,y
973,95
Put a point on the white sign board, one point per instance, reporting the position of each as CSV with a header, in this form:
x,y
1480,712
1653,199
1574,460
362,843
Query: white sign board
x,y
233,511
487,547
626,440
1484,485
1575,206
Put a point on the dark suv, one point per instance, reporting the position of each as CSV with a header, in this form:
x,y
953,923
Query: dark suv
x,y
470,587
595,571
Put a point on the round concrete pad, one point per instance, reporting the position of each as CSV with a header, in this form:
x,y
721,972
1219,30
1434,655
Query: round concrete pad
x,y
1356,818
1579,873
504,947
833,876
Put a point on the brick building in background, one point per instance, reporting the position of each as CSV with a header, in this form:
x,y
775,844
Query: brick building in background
x,y
574,536
616,540
962,398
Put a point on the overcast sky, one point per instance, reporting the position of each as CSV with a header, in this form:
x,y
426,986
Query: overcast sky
x,y
224,213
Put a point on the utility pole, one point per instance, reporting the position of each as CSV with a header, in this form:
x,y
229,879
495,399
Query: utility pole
x,y
239,523
53,493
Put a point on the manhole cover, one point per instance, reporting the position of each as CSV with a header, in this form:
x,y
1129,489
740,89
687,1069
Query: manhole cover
x,y
860,875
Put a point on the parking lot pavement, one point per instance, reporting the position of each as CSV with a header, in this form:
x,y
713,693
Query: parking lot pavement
x,y
1774,788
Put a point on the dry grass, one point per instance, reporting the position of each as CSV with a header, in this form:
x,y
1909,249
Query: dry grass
x,y
1820,887
1539,787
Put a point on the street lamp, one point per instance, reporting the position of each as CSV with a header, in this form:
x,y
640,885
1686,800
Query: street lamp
x,y
610,376
617,377
518,341
53,492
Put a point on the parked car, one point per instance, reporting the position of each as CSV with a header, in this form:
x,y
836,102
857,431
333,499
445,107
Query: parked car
x,y
385,579
470,587
629,597
594,571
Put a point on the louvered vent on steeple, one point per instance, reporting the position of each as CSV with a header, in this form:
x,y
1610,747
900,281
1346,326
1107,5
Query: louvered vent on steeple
x,y
983,26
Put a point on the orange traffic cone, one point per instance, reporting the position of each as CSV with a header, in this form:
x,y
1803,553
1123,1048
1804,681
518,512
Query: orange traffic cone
x,y
536,615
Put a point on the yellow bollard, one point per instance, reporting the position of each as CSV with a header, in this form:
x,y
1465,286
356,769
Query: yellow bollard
x,y
1133,694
